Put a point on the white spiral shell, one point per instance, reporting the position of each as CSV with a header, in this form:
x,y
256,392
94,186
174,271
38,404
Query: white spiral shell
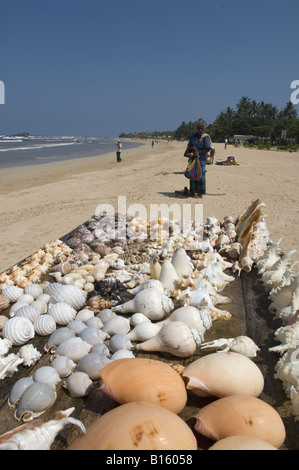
x,y
44,325
13,293
62,313
34,289
18,330
27,311
70,294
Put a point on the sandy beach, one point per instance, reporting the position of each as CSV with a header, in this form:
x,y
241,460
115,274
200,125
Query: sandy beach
x,y
40,203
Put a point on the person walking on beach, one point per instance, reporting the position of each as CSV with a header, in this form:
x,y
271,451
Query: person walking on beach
x,y
225,143
118,151
202,142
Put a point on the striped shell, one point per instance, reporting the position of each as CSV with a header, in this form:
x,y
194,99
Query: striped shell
x,y
62,313
44,325
70,294
12,293
34,289
3,320
18,330
27,311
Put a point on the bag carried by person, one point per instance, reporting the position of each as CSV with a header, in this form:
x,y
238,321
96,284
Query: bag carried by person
x,y
193,171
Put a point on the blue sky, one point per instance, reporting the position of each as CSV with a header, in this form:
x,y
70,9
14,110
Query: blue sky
x,y
102,67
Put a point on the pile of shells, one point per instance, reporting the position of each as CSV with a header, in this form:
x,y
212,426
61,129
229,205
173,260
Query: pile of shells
x,y
117,289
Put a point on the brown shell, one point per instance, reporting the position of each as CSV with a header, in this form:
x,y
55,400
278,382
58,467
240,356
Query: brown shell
x,y
4,302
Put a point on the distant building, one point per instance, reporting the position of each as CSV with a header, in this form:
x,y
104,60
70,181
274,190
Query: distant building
x,y
251,139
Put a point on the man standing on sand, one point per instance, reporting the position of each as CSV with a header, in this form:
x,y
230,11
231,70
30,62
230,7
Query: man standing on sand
x,y
118,151
202,142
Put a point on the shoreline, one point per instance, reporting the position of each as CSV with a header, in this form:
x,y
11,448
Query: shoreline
x,y
43,202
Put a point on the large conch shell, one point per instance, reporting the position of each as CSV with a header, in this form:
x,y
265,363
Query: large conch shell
x,y
241,344
150,302
174,338
141,379
200,320
137,426
241,415
222,374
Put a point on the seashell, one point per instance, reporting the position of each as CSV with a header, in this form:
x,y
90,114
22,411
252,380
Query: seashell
x,y
36,399
101,348
63,268
138,318
144,331
18,330
20,303
63,365
34,289
240,415
228,219
181,262
29,354
74,348
174,338
234,250
58,337
150,302
47,375
51,287
18,389
3,320
144,380
92,364
222,374
120,341
122,354
9,365
168,276
44,325
27,311
13,293
70,294
120,428
95,322
288,336
270,257
40,306
200,320
116,325
106,314
242,443
93,335
155,268
77,326
4,302
84,315
273,277
282,297
147,285
78,384
38,435
241,344
62,313
44,298
5,346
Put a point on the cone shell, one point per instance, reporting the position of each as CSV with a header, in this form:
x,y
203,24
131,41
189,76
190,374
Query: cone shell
x,y
224,373
137,426
241,415
141,379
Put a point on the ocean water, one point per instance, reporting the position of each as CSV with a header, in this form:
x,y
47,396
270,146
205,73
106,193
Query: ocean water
x,y
32,150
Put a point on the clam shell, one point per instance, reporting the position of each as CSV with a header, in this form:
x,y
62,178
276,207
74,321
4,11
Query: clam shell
x,y
36,399
62,313
13,293
18,330
70,294
44,325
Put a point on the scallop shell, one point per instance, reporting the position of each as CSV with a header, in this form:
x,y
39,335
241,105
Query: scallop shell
x,y
44,325
78,384
13,293
70,294
36,399
18,330
62,313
